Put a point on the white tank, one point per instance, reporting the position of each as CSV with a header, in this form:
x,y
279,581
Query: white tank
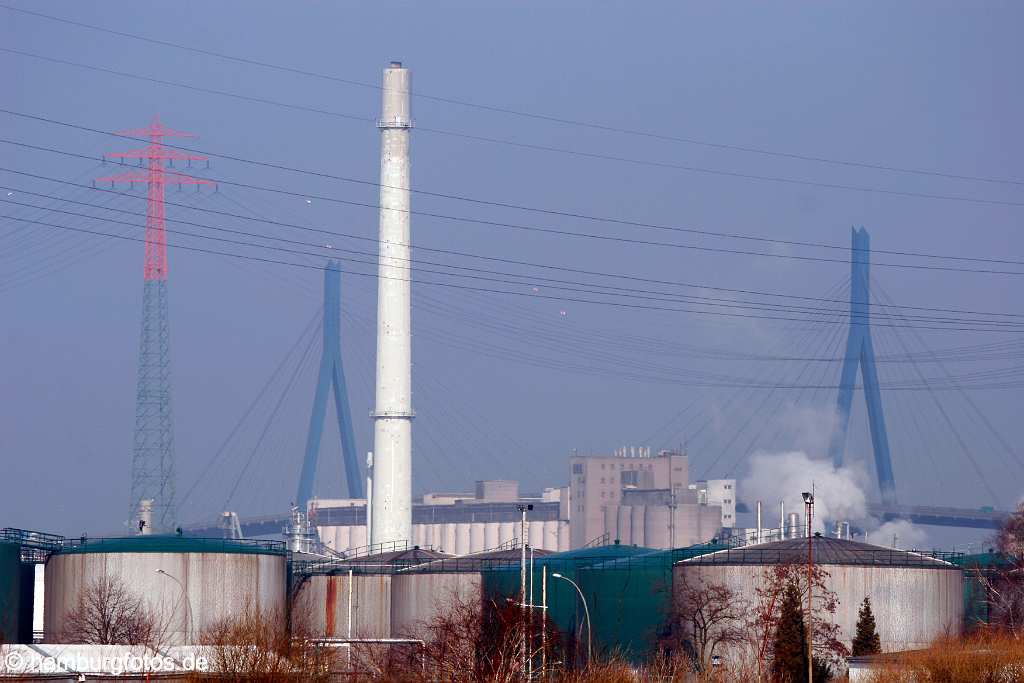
x,y
915,598
491,535
322,604
190,584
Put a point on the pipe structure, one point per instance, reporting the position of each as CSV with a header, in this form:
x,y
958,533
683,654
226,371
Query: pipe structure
x,y
391,520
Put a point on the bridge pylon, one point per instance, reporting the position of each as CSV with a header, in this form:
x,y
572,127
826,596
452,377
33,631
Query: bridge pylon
x,y
332,376
860,353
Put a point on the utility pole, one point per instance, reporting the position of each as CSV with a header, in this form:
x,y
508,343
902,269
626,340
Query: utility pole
x,y
153,454
809,504
522,585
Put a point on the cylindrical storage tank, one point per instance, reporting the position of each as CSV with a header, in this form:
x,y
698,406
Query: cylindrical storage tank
x,y
506,532
418,535
657,531
535,534
450,533
638,517
358,537
418,597
322,605
186,585
491,535
624,524
793,525
10,592
438,536
476,537
915,598
551,535
564,536
461,538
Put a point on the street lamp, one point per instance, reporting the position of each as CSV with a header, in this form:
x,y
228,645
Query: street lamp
x,y
522,585
188,604
809,505
586,611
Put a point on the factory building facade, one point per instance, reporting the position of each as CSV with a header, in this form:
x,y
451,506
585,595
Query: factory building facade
x,y
641,499
631,496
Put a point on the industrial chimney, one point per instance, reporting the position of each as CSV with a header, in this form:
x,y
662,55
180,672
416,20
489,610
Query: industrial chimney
x,y
391,496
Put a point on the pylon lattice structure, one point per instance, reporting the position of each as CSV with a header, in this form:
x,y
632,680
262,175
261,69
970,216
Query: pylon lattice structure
x,y
860,352
332,375
152,475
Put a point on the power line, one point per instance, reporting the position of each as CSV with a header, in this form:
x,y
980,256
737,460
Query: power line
x,y
525,280
530,115
545,230
694,169
719,301
534,295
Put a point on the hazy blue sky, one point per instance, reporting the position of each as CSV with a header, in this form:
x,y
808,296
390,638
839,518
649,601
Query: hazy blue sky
x,y
924,85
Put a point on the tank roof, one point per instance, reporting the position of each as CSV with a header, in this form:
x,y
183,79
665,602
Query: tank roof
x,y
172,544
826,550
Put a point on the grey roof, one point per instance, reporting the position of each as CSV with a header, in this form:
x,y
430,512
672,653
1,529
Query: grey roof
x,y
826,550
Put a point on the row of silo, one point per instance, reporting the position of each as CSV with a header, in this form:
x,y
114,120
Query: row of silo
x,y
459,538
187,584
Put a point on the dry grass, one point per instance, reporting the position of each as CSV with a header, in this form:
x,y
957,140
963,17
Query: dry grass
x,y
984,657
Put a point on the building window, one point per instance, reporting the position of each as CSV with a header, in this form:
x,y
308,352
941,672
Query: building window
x,y
577,468
603,494
602,480
630,478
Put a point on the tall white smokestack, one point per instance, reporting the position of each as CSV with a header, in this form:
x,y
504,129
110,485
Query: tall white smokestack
x,y
391,518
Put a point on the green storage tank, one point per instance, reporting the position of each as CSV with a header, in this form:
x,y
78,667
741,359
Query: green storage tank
x,y
564,608
630,600
10,593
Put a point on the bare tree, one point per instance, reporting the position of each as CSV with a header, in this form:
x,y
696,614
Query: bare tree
x,y
712,616
764,614
1004,583
109,613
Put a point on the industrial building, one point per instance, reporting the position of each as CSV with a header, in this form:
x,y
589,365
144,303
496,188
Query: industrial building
x,y
645,500
457,523
631,496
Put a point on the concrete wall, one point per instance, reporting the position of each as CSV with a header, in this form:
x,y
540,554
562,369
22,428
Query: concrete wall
x,y
912,605
416,598
217,586
323,603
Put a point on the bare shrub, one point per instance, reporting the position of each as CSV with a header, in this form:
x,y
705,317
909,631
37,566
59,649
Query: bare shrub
x,y
109,613
989,656
257,645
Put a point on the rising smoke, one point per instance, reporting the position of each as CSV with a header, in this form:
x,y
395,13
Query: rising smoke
x,y
840,494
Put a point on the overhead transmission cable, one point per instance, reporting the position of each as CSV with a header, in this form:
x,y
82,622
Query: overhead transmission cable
x,y
520,113
503,205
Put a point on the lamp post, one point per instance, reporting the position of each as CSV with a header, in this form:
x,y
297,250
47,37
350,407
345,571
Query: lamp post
x,y
809,505
586,612
188,604
522,584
